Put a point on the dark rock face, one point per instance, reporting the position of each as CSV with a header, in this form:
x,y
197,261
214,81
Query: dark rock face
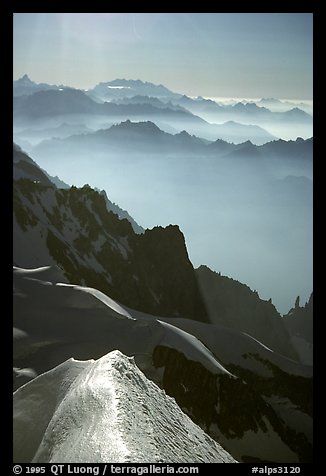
x,y
229,408
164,266
233,304
149,272
299,323
299,320
255,417
243,410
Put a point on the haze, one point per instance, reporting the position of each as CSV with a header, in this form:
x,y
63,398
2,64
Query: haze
x,y
208,54
249,220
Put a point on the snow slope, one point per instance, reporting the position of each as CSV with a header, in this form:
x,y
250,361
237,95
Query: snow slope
x,y
82,316
105,411
74,230
202,366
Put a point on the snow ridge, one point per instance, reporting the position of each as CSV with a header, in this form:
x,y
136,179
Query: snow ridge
x,y
106,410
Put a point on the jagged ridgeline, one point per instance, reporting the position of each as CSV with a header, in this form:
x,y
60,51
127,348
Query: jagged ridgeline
x,y
149,271
253,401
72,228
192,332
234,305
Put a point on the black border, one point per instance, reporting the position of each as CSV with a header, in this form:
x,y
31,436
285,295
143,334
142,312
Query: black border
x,y
6,198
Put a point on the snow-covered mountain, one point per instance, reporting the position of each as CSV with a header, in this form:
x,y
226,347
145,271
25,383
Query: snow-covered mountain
x,y
105,410
253,409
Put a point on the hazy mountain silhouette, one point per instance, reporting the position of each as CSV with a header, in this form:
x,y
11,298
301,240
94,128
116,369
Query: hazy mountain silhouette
x,y
230,131
240,111
53,102
154,101
62,130
224,188
297,149
146,136
286,123
71,102
24,86
276,105
127,88
128,137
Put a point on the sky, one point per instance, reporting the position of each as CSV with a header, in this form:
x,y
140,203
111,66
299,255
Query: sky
x,y
207,54
214,55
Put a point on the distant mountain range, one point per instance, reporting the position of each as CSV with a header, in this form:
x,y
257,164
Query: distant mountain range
x,y
36,106
63,130
25,86
187,329
276,105
124,91
65,103
123,88
288,123
113,243
98,248
137,137
240,111
48,107
143,322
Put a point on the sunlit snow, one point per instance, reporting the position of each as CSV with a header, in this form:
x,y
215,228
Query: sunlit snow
x,y
105,410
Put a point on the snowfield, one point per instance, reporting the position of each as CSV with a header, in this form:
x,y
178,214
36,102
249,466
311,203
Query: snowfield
x,y
113,408
105,411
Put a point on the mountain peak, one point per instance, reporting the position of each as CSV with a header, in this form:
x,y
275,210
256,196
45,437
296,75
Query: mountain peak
x,y
248,143
147,126
183,134
25,80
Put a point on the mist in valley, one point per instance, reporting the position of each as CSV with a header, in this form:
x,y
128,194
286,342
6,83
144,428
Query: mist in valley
x,y
163,235
245,212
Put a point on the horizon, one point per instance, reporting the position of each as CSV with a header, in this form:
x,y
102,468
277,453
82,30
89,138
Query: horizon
x,y
217,54
226,57
213,98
